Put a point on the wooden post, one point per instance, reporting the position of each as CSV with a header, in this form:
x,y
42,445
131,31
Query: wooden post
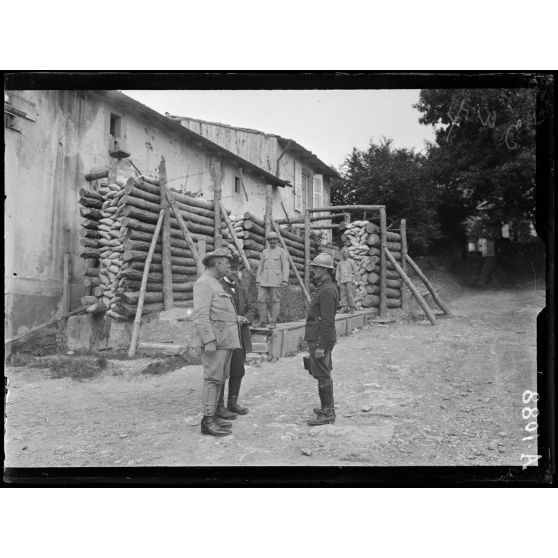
x,y
66,286
427,310
234,237
268,209
184,229
112,170
43,326
383,240
291,262
201,249
429,286
139,309
307,249
242,183
168,302
218,177
404,292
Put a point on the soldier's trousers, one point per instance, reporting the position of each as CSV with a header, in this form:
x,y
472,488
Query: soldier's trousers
x,y
321,367
347,294
216,369
269,303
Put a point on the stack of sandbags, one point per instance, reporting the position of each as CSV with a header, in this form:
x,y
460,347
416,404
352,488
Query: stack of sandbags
x,y
362,240
250,230
126,221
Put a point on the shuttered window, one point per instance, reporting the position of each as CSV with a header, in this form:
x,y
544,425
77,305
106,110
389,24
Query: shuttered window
x,y
298,188
318,190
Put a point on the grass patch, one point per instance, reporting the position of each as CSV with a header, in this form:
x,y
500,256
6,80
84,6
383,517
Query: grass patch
x,y
78,369
171,363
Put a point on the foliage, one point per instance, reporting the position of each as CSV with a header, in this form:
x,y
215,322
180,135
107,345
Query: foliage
x,y
484,156
396,178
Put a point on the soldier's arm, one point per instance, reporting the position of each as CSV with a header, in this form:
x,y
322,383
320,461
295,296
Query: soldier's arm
x,y
327,323
260,269
285,266
338,272
250,313
202,305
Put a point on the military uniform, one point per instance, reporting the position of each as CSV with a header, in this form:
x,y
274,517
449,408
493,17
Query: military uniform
x,y
215,319
273,271
345,275
238,289
320,330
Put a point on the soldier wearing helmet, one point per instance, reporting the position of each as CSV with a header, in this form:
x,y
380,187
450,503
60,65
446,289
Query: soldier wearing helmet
x,y
320,335
272,275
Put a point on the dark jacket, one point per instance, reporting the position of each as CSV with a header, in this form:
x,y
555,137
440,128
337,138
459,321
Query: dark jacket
x,y
244,307
320,322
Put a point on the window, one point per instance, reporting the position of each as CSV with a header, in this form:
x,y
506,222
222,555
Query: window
x,y
236,185
298,188
318,191
115,126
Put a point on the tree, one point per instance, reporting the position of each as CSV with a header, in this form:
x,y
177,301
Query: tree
x,y
484,156
395,178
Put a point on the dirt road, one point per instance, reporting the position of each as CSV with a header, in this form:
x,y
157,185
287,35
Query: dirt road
x,y
407,394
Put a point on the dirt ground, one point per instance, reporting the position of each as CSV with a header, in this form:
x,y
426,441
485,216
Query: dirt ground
x,y
406,393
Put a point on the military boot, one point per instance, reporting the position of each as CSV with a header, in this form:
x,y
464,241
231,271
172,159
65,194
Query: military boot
x,y
222,423
233,406
262,311
326,416
224,413
210,428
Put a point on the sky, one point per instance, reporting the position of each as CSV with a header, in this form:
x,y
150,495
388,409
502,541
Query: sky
x,y
327,122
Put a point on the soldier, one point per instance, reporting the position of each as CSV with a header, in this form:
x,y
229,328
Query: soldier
x,y
273,273
237,285
216,331
344,276
320,335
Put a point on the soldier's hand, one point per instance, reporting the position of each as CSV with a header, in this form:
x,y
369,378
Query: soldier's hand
x,y
319,353
211,347
285,284
242,320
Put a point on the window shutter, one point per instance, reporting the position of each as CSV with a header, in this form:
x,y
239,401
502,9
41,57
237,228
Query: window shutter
x,y
318,190
298,187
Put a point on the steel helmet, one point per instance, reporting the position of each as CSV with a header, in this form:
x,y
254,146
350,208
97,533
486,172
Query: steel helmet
x,y
323,260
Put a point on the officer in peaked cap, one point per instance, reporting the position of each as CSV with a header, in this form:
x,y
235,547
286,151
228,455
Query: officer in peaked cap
x,y
320,335
273,273
216,332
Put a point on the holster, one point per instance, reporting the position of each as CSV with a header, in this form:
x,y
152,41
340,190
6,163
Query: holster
x,y
306,362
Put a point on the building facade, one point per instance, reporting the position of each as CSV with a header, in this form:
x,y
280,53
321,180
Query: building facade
x,y
54,138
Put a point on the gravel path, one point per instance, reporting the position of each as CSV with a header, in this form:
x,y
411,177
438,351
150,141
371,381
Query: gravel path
x,y
407,394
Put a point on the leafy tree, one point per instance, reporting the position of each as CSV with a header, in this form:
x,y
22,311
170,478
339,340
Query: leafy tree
x,y
396,178
484,156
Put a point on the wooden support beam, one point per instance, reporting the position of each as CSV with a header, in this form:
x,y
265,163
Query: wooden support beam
x,y
383,242
242,183
234,237
428,285
48,324
187,237
218,177
427,310
404,292
337,208
291,262
307,249
166,239
139,309
268,209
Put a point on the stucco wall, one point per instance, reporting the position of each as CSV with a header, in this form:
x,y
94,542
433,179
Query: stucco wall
x,y
46,162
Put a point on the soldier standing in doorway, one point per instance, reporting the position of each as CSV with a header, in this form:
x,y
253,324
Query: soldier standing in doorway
x,y
216,332
237,285
272,275
320,335
345,275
